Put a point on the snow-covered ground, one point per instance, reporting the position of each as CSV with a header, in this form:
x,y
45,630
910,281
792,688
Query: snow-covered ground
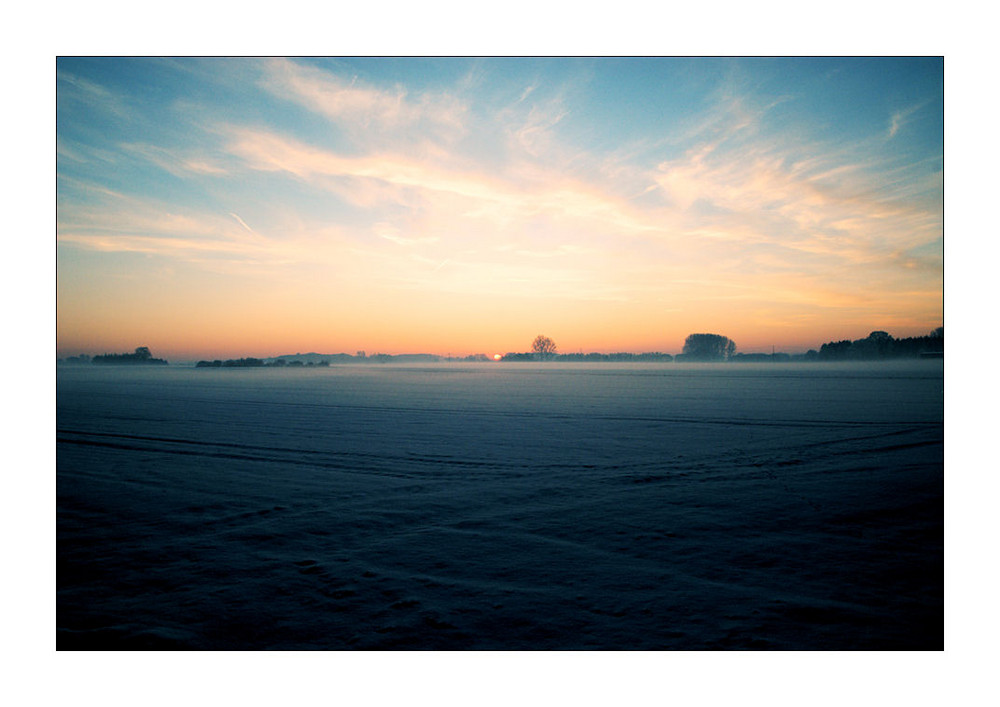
x,y
502,506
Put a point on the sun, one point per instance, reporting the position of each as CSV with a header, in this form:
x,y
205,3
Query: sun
x,y
497,357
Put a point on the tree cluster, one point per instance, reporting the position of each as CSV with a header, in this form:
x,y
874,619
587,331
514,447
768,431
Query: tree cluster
x,y
142,356
471,358
881,345
231,363
707,347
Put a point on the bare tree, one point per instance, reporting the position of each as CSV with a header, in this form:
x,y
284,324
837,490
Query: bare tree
x,y
543,347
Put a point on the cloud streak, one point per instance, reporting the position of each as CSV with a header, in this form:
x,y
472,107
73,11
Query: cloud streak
x,y
359,108
900,118
241,222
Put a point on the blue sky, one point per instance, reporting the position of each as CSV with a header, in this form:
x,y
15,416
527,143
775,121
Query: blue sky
x,y
263,206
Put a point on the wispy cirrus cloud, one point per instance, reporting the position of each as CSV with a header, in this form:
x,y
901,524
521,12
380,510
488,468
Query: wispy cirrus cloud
x,y
357,107
804,195
900,118
733,201
175,162
820,207
516,193
533,135
115,222
77,89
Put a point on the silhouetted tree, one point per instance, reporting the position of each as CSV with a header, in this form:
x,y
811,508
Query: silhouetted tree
x,y
543,347
708,347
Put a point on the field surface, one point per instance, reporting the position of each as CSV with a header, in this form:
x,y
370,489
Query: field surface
x,y
501,506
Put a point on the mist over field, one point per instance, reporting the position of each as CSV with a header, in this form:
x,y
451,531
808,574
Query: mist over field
x,y
496,506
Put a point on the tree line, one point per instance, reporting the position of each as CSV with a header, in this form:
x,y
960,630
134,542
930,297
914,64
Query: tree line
x,y
258,363
702,347
881,345
708,348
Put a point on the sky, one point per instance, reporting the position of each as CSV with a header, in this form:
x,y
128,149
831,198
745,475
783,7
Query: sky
x,y
217,208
